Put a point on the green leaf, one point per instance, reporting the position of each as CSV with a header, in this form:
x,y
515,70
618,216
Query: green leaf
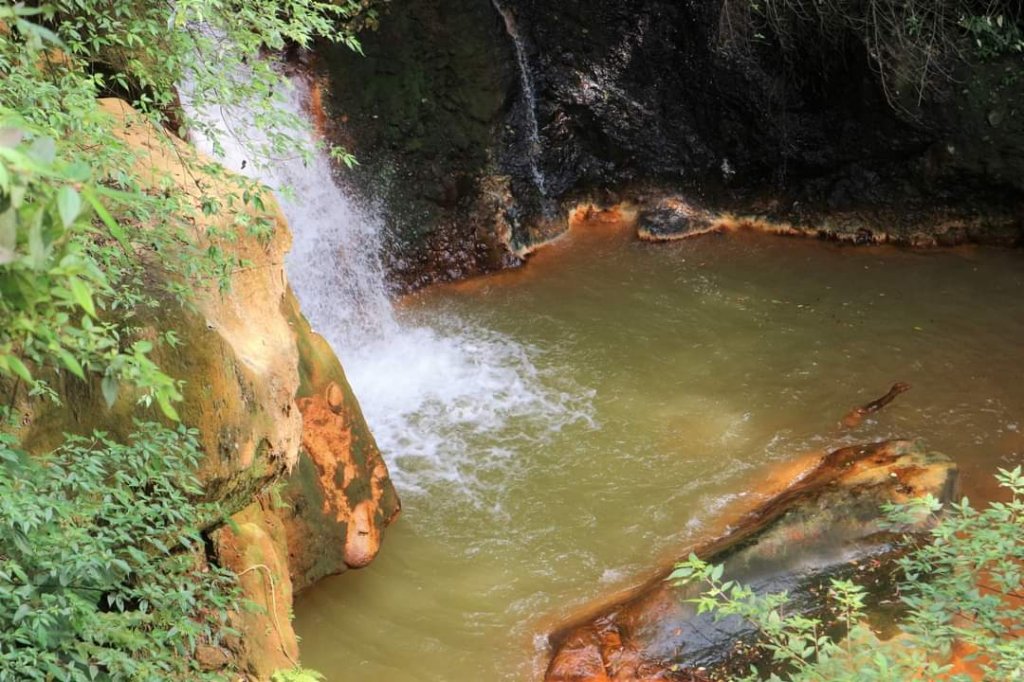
x,y
77,171
110,388
82,294
70,362
69,205
8,236
10,137
115,230
167,408
43,150
22,611
18,367
36,246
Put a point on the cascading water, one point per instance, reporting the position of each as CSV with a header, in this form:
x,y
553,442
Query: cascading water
x,y
423,390
529,98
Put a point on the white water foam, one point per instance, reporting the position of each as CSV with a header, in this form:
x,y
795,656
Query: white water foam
x,y
427,392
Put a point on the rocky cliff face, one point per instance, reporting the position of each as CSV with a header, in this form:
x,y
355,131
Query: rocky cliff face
x,y
287,450
635,100
421,112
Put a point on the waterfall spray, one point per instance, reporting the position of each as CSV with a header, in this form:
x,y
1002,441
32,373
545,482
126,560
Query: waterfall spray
x,y
425,389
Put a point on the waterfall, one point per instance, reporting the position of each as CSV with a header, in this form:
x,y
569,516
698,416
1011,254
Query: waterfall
x,y
529,98
426,389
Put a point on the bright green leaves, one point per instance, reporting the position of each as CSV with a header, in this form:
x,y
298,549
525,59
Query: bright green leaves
x,y
116,231
25,19
46,280
75,274
52,289
8,231
42,152
81,294
69,205
12,364
93,582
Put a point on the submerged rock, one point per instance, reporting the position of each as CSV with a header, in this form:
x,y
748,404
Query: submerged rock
x,y
817,529
673,217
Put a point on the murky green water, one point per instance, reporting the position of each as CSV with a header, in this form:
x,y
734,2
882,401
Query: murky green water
x,y
661,383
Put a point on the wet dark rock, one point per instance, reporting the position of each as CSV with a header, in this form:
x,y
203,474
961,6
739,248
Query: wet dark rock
x,y
636,97
827,525
421,111
673,217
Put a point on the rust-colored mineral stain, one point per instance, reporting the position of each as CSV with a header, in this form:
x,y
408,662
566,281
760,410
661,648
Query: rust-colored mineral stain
x,y
316,108
588,226
608,633
327,437
592,218
762,486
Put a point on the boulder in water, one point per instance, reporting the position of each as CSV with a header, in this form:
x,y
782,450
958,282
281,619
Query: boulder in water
x,y
819,528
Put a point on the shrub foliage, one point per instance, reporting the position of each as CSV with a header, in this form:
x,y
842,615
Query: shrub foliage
x,y
102,574
102,571
915,46
961,588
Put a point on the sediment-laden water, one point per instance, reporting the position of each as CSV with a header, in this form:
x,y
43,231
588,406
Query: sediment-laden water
x,y
557,431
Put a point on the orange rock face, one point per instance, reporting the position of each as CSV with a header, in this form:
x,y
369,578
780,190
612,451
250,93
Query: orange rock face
x,y
327,438
274,412
339,497
254,548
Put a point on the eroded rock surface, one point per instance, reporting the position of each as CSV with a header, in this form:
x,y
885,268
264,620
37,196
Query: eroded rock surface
x,y
287,451
817,529
340,496
639,98
253,546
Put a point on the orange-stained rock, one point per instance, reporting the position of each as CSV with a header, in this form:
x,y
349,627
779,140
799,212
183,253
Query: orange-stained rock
x,y
267,395
671,217
253,546
237,353
820,527
340,496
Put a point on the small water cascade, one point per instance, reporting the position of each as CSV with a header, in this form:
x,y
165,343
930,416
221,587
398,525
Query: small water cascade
x,y
529,98
424,389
